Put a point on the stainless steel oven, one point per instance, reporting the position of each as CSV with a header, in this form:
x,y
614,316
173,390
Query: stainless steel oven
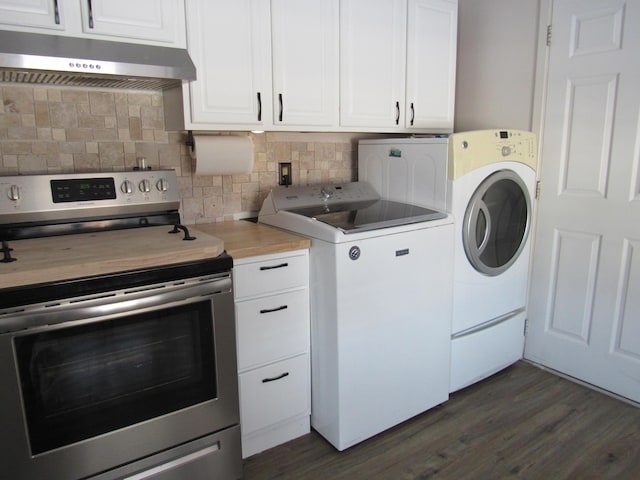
x,y
126,375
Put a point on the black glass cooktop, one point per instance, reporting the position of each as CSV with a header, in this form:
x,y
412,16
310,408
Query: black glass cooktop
x,y
351,217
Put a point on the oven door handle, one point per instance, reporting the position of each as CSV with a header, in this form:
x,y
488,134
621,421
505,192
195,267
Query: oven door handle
x,y
102,307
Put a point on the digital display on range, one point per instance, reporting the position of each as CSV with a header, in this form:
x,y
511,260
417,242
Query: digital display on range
x,y
83,189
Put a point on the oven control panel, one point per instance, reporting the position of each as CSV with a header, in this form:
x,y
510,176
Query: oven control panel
x,y
75,195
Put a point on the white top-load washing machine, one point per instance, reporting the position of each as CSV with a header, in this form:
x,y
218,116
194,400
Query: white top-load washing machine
x,y
409,170
486,180
381,293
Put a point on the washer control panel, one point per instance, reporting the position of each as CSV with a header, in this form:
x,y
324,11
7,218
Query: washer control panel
x,y
287,198
68,195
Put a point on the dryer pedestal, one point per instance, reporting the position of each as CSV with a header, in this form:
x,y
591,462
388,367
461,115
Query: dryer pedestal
x,y
486,349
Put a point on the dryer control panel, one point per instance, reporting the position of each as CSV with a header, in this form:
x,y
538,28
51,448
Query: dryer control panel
x,y
471,150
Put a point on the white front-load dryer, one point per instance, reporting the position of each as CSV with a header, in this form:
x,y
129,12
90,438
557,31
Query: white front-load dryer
x,y
492,178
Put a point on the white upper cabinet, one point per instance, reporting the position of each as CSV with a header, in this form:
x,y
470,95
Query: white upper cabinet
x,y
305,62
229,42
319,65
31,13
431,64
398,64
372,63
156,22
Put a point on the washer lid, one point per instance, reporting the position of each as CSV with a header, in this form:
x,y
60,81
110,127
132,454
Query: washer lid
x,y
362,216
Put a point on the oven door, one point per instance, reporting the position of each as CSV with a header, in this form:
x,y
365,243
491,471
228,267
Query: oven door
x,y
91,384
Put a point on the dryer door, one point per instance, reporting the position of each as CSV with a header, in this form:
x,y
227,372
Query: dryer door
x,y
496,222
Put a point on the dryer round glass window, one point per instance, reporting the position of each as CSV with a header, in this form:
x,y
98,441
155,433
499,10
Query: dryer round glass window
x,y
496,223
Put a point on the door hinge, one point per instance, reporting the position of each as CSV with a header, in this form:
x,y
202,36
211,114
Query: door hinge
x,y
537,189
526,326
549,35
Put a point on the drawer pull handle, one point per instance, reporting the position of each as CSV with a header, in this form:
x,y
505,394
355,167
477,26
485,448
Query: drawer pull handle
x,y
282,265
273,379
271,310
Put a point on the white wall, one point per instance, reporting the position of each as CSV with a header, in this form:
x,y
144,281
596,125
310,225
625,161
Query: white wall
x,y
497,43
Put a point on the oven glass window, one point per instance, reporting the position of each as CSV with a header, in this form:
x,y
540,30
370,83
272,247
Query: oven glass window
x,y
82,381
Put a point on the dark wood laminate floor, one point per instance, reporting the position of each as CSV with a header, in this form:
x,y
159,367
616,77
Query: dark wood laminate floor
x,y
521,423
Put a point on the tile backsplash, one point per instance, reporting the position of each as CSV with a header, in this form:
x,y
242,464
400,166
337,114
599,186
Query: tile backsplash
x,y
45,129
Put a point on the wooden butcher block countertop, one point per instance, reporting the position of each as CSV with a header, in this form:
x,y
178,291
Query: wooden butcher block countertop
x,y
50,259
247,239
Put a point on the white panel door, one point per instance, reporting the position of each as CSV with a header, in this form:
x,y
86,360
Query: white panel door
x,y
373,54
584,306
305,62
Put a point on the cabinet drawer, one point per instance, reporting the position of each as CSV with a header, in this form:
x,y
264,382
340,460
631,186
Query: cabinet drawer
x,y
274,393
273,327
271,275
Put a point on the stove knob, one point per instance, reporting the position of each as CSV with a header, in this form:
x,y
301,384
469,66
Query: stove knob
x,y
145,186
162,185
127,187
14,193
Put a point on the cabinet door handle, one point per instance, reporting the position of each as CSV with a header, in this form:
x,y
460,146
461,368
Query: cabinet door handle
x,y
413,114
89,3
273,379
56,12
271,310
259,107
281,107
397,113
271,267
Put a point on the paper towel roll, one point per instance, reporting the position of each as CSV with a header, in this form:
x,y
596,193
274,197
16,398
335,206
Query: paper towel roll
x,y
223,155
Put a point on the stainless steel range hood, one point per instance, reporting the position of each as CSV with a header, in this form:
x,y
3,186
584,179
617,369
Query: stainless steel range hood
x,y
56,60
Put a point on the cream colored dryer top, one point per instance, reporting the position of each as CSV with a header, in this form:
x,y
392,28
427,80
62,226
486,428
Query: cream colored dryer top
x,y
475,149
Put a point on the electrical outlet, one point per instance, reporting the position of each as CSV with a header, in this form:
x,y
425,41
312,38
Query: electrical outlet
x,y
285,174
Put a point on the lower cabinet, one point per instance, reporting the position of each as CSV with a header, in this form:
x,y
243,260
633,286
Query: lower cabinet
x,y
272,324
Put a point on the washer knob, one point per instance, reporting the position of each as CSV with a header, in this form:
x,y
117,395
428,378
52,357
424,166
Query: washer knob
x,y
162,185
145,186
506,151
127,187
14,193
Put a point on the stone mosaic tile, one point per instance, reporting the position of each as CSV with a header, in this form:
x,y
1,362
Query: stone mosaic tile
x,y
49,129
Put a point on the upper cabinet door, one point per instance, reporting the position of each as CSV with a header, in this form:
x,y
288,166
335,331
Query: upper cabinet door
x,y
372,63
305,62
31,13
431,64
154,20
229,42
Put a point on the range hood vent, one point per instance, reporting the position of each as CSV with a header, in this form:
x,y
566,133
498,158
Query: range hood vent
x,y
69,61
